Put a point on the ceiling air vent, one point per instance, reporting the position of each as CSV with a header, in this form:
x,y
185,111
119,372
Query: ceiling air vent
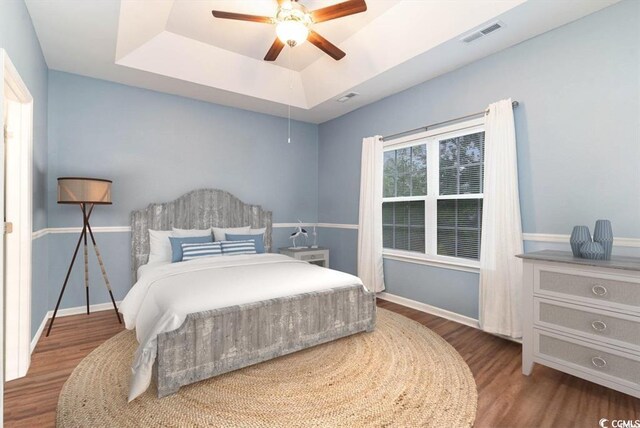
x,y
347,97
482,32
491,28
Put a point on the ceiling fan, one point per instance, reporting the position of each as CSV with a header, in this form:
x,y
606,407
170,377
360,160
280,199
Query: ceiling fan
x,y
293,24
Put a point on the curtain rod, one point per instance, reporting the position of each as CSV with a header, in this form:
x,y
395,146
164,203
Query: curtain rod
x,y
434,125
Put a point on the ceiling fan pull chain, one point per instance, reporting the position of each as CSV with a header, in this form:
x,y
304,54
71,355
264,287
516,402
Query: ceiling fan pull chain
x,y
290,91
289,132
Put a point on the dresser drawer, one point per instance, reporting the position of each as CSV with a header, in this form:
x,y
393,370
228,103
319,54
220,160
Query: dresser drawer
x,y
608,291
597,324
591,359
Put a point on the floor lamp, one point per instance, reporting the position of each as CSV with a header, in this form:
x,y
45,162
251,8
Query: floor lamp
x,y
87,193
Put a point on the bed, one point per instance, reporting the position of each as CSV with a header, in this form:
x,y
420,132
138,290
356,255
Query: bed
x,y
206,317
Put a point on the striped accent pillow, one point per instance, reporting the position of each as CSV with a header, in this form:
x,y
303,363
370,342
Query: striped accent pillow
x,y
232,248
203,249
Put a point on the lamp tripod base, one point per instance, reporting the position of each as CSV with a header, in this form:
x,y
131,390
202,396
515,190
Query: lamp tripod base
x,y
86,231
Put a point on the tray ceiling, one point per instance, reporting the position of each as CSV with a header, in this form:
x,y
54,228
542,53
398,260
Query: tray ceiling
x,y
176,46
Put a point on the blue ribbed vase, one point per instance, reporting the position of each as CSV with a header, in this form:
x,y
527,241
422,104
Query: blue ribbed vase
x,y
579,236
592,250
603,235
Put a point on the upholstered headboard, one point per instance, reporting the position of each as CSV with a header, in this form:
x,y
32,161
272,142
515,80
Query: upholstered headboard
x,y
199,209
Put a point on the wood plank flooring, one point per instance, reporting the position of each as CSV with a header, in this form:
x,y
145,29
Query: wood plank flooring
x,y
31,401
506,398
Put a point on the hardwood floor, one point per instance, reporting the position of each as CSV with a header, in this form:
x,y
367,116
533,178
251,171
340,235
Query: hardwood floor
x,y
31,401
506,398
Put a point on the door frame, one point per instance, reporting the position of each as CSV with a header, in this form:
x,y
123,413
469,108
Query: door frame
x,y
17,341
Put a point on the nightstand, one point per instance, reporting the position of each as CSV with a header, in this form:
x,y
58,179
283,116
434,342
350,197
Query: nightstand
x,y
318,256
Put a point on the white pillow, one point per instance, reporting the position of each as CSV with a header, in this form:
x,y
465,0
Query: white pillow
x,y
191,232
159,246
260,231
220,233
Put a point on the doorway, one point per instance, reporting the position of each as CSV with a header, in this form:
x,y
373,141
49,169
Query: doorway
x,y
15,205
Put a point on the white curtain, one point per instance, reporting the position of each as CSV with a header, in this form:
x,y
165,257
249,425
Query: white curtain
x,y
370,268
500,269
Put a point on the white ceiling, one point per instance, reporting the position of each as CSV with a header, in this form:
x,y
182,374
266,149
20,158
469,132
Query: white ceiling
x,y
176,46
192,19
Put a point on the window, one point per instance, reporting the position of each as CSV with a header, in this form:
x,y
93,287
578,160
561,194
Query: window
x,y
432,195
405,190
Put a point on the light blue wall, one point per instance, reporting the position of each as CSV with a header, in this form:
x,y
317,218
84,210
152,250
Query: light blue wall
x,y
437,287
18,38
114,250
156,147
343,245
578,133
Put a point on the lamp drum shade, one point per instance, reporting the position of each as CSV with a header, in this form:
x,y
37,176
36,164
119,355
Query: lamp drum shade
x,y
83,190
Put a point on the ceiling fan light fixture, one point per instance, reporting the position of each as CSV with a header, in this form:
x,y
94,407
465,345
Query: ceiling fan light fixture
x,y
293,22
292,32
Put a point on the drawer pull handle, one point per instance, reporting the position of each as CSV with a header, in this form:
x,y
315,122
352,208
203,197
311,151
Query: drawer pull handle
x,y
598,362
599,325
599,290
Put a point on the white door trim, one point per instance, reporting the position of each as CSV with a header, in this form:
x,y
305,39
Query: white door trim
x,y
18,340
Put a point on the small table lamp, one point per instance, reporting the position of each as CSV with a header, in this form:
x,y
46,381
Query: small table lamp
x,y
86,192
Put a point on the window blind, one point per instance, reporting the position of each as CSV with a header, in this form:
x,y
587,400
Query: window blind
x,y
459,227
461,164
405,172
403,225
461,173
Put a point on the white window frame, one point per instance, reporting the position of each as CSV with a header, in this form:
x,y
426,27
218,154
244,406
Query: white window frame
x,y
432,139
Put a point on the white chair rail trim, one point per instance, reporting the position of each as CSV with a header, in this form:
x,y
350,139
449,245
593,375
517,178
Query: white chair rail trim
x,y
564,239
122,229
532,237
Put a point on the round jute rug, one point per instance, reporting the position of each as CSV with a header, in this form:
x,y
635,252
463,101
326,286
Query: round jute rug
x,y
402,374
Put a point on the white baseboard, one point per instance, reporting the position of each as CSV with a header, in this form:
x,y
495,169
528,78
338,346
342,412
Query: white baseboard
x,y
423,307
36,337
439,312
67,312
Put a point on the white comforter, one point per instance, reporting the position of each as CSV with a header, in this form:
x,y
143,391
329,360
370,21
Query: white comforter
x,y
165,294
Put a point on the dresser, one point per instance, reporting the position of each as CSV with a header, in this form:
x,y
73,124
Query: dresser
x,y
318,256
582,317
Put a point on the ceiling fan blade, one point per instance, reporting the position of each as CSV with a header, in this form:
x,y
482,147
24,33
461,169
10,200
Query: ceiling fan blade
x,y
242,17
339,10
274,50
325,45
